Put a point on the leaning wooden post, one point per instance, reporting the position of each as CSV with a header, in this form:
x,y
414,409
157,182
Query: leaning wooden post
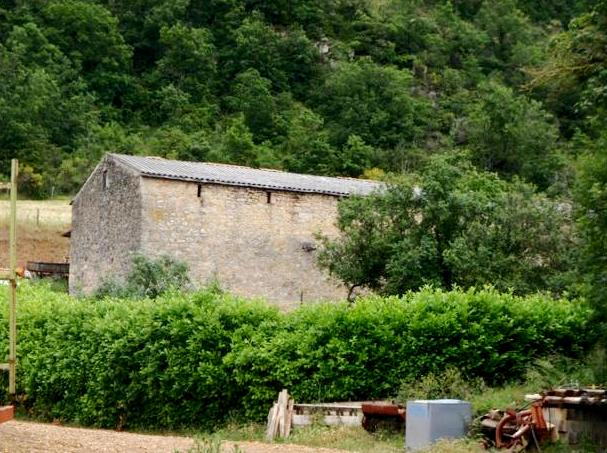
x,y
12,352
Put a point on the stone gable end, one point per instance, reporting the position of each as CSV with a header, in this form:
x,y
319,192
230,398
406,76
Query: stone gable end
x,y
253,242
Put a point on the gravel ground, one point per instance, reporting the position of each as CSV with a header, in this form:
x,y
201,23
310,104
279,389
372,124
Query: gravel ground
x,y
27,437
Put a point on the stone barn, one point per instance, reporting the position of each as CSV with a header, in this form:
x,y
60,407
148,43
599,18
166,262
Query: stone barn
x,y
251,230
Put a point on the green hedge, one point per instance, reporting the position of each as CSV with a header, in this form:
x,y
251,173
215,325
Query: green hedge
x,y
195,360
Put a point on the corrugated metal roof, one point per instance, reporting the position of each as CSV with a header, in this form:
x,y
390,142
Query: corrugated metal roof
x,y
235,175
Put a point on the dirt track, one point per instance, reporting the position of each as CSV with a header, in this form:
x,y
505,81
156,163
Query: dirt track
x,y
27,437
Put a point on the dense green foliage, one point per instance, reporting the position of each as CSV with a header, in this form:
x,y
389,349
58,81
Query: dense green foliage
x,y
579,67
148,277
435,94
452,225
339,87
332,87
592,197
450,383
186,360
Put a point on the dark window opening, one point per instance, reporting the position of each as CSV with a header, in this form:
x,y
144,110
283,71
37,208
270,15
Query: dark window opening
x,y
268,197
199,190
105,180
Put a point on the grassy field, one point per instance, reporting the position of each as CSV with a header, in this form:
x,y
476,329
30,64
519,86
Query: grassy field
x,y
347,438
40,225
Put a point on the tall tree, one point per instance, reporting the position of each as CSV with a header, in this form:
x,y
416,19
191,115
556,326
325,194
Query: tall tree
x,y
188,59
88,35
451,225
579,60
512,135
374,102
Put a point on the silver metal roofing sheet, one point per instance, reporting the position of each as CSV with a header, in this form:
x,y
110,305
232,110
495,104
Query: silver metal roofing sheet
x,y
246,177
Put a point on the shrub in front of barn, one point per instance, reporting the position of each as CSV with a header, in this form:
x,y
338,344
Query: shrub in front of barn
x,y
197,360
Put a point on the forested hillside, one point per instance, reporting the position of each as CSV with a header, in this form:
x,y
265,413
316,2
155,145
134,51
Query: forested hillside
x,y
486,117
338,87
371,88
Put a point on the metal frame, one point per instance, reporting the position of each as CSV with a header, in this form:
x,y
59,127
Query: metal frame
x,y
11,276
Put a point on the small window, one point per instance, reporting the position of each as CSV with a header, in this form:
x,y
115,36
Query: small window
x,y
269,197
199,190
106,181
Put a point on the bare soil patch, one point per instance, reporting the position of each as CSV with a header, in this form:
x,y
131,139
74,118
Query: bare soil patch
x,y
40,225
28,437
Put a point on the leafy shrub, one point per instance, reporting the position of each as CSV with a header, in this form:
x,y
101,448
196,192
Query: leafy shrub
x,y
138,363
559,371
450,383
543,373
153,277
198,359
336,352
110,287
451,226
149,277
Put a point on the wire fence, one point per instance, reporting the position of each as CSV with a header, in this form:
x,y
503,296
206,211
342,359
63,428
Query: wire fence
x,y
41,214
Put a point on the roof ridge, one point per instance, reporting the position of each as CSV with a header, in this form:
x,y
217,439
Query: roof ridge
x,y
239,175
244,167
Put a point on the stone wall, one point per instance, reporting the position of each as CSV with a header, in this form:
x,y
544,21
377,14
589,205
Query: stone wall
x,y
106,226
252,241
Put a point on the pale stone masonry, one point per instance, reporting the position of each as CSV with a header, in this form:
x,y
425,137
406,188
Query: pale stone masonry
x,y
106,226
253,231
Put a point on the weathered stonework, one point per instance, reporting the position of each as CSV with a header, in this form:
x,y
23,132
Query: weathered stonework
x,y
106,226
233,235
252,241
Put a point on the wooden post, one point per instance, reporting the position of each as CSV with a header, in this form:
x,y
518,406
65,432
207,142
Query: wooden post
x,y
12,353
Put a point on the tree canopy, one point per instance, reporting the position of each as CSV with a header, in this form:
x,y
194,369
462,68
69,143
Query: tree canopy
x,y
331,87
343,88
452,225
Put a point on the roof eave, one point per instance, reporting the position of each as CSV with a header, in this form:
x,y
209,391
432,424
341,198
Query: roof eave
x,y
249,185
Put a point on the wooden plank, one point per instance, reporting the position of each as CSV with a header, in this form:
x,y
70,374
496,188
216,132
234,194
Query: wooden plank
x,y
272,421
283,400
285,414
48,268
277,417
5,185
532,397
289,418
329,411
